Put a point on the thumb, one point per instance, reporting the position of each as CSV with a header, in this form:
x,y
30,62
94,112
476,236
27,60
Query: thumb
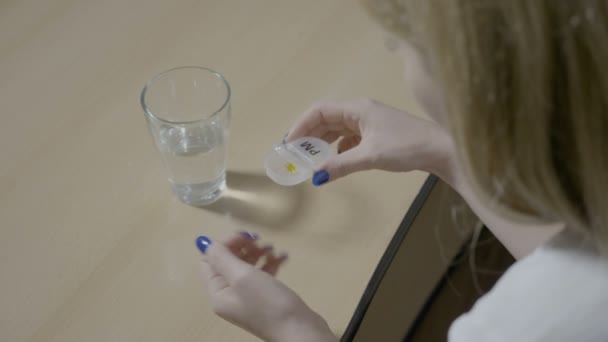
x,y
353,160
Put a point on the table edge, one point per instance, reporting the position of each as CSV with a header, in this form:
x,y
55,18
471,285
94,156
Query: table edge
x,y
387,258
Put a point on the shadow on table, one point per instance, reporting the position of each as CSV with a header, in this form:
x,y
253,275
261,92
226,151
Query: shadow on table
x,y
256,199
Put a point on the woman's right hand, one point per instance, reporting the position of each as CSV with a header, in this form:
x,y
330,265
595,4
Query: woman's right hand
x,y
373,136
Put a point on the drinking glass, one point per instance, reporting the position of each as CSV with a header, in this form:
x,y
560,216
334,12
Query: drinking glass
x,y
188,114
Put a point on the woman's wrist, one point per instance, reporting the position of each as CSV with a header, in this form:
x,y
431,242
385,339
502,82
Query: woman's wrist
x,y
439,154
304,327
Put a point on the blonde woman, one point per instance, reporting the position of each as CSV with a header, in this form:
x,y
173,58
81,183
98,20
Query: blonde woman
x,y
518,90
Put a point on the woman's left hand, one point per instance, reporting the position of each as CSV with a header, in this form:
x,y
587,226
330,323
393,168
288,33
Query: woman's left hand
x,y
251,297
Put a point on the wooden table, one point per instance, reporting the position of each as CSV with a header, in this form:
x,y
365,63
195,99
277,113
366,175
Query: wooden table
x,y
93,245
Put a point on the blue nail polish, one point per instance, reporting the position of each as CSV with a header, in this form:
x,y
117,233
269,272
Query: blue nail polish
x,y
320,178
249,235
203,242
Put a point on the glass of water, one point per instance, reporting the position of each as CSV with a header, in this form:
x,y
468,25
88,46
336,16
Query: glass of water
x,y
188,114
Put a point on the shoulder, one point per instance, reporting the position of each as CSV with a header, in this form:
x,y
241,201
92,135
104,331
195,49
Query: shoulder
x,y
558,293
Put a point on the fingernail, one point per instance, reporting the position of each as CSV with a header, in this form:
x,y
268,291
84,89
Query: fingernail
x,y
320,178
285,137
249,235
203,242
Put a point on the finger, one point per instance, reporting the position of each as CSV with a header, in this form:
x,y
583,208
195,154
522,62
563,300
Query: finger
x,y
318,131
213,281
243,246
254,254
331,137
345,163
331,115
273,263
241,249
334,129
224,262
241,241
348,142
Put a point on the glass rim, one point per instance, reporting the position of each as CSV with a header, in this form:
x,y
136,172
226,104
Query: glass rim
x,y
149,113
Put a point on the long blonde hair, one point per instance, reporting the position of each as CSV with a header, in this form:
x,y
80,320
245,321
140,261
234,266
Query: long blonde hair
x,y
526,88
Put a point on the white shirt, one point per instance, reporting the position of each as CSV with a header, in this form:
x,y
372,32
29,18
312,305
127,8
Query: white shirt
x,y
558,293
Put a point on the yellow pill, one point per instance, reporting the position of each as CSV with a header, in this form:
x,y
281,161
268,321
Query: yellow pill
x,y
290,167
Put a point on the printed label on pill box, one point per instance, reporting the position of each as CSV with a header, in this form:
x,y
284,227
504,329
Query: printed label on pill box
x,y
310,148
314,150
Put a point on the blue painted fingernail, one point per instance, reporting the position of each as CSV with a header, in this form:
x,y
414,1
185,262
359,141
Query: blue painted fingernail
x,y
249,235
203,242
320,178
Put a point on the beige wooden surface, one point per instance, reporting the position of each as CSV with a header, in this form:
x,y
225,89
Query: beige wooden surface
x,y
93,245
